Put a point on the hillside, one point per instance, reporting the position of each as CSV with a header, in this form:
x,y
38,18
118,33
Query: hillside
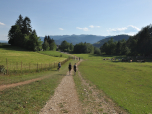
x,y
74,39
115,38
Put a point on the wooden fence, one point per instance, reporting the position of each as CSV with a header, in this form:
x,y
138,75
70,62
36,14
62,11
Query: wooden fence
x,y
20,67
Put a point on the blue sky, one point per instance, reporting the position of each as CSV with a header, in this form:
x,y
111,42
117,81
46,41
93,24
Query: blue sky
x,y
67,17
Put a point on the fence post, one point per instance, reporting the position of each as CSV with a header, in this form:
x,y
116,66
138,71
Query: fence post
x,y
54,64
16,65
41,66
29,66
7,66
37,66
21,66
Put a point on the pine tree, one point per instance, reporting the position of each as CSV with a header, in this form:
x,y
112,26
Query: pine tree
x,y
27,29
19,22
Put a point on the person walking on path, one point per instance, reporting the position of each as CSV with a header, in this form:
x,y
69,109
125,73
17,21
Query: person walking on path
x,y
59,66
70,67
75,68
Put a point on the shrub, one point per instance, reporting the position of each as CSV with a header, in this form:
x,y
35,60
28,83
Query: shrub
x,y
2,69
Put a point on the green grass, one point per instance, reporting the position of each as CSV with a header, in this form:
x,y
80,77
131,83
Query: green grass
x,y
5,79
96,57
31,98
13,54
17,57
128,84
54,53
28,98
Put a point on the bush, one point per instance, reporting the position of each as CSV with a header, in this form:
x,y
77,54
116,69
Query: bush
x,y
2,69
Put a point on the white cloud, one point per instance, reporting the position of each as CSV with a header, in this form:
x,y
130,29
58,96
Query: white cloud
x,y
84,29
61,29
2,23
129,29
91,26
134,27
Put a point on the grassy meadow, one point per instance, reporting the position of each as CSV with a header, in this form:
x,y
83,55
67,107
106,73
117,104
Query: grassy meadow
x,y
128,84
31,98
54,53
17,57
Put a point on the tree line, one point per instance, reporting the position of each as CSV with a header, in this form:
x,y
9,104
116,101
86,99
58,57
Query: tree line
x,y
79,48
139,44
48,44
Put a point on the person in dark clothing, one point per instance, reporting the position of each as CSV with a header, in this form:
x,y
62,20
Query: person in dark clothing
x,y
70,67
59,66
75,68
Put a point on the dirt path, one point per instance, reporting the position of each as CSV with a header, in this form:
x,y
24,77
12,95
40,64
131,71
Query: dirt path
x,y
2,87
65,99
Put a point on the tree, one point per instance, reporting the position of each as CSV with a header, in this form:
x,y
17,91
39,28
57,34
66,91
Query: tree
x,y
109,47
71,47
84,48
97,51
21,35
49,42
45,46
27,29
53,46
19,22
15,36
118,47
64,46
34,43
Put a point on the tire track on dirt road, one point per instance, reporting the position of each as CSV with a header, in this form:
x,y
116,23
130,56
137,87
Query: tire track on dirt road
x,y
3,87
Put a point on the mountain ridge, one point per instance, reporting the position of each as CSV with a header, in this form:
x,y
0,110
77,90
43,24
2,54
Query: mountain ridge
x,y
75,39
115,38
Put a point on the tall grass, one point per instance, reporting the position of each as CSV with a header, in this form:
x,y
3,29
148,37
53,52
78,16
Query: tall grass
x,y
128,84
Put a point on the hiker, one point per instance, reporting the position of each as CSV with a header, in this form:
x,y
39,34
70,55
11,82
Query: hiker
x,y
59,66
70,67
75,68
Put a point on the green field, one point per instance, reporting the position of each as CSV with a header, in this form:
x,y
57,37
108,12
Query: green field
x,y
17,57
54,53
128,84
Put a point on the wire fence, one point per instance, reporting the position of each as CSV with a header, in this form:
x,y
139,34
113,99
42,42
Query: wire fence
x,y
20,67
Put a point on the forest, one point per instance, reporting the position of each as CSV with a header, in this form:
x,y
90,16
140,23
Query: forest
x,y
139,44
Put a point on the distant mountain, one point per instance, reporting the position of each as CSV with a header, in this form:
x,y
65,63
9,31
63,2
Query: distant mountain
x,y
115,38
3,41
75,39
